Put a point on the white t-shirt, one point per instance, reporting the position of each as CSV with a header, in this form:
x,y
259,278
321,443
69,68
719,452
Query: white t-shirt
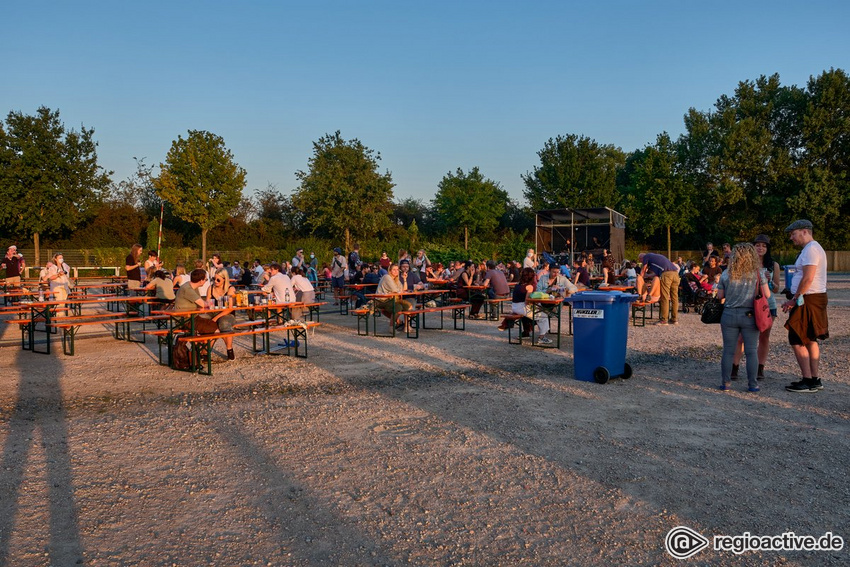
x,y
281,286
811,255
300,283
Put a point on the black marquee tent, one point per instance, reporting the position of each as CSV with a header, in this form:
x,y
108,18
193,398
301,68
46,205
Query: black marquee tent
x,y
572,231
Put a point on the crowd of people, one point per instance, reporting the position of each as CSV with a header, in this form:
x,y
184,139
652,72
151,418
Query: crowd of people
x,y
735,275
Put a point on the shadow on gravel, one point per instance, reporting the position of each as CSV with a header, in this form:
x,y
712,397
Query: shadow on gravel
x,y
294,513
673,432
38,414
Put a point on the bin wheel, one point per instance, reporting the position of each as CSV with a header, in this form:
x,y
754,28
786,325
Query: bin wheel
x,y
601,375
627,371
684,308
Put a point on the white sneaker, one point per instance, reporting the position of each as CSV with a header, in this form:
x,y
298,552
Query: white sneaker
x,y
544,341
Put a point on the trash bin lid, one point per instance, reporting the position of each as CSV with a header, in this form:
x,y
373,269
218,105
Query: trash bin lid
x,y
603,296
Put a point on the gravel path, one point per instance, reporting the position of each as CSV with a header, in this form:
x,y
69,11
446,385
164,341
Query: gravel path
x,y
456,449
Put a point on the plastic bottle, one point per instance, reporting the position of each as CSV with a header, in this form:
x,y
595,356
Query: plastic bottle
x,y
286,296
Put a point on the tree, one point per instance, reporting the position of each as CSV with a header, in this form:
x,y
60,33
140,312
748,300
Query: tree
x,y
574,172
825,192
49,177
342,195
468,200
659,196
201,181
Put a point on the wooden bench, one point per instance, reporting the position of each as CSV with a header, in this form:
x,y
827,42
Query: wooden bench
x,y
362,314
198,343
344,303
122,328
493,308
515,317
640,307
413,317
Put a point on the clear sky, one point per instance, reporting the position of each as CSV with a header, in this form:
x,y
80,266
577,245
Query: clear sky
x,y
431,86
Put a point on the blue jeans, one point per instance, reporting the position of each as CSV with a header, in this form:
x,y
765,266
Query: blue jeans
x,y
735,321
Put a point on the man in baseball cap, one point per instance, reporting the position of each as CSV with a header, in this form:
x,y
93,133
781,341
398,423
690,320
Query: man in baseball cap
x,y
807,322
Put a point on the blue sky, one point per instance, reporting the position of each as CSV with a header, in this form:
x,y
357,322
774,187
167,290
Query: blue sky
x,y
430,86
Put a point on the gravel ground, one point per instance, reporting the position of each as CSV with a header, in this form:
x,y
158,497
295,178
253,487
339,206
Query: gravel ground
x,y
456,449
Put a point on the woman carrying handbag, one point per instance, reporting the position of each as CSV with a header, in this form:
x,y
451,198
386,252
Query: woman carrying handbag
x,y
738,288
770,270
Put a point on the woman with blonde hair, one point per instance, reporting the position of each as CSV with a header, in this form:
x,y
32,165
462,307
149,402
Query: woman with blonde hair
x,y
221,294
737,289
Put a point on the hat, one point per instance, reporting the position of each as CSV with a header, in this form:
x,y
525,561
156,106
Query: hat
x,y
404,261
798,224
763,238
13,247
338,250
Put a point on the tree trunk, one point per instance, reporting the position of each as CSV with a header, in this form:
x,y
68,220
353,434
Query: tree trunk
x,y
466,238
37,242
204,244
669,249
347,240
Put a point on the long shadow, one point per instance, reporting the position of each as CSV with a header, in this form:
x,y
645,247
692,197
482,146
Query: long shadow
x,y
340,545
38,412
635,448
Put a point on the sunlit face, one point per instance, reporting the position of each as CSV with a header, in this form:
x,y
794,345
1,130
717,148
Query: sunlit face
x,y
394,271
712,261
553,273
761,248
59,260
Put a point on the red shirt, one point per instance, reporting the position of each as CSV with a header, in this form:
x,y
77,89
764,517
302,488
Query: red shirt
x,y
13,266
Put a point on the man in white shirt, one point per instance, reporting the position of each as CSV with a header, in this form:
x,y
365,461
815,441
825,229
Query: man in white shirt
x,y
279,286
807,321
258,271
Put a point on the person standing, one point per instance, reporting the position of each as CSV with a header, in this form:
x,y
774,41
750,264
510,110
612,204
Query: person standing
x,y
298,259
668,275
737,288
354,260
14,264
807,322
337,274
530,260
133,265
769,269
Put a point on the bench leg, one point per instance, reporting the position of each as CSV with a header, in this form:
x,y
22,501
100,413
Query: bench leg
x,y
68,340
459,313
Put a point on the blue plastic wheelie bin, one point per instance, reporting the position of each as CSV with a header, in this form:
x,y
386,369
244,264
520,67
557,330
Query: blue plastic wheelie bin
x,y
600,330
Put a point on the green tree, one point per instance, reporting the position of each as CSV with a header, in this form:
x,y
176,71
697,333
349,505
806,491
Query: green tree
x,y
469,201
201,181
342,195
49,177
574,172
659,197
825,172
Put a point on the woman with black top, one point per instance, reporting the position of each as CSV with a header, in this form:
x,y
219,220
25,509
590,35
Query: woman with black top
x,y
520,307
475,298
134,267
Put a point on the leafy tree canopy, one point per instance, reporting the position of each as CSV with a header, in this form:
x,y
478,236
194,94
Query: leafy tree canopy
x,y
574,172
342,194
50,180
469,201
201,181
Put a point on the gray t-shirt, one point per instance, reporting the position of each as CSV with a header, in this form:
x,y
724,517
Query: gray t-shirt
x,y
186,298
739,293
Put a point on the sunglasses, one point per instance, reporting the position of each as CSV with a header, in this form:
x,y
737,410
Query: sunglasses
x,y
219,280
